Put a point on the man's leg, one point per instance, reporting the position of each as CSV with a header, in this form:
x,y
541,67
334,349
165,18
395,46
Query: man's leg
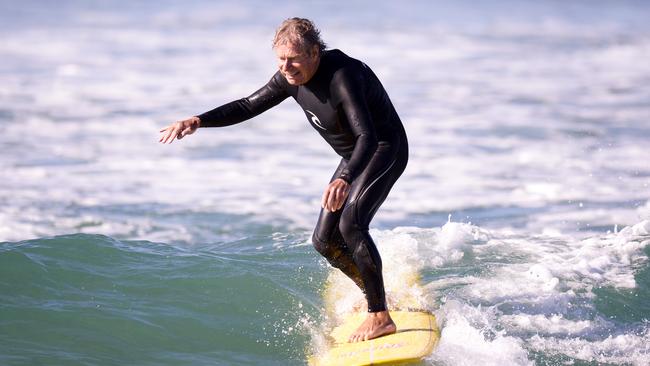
x,y
328,241
368,192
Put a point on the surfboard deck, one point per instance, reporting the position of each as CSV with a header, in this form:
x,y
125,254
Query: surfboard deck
x,y
417,335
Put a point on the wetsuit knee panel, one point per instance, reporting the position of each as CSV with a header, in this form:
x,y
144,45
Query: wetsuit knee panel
x,y
320,245
348,225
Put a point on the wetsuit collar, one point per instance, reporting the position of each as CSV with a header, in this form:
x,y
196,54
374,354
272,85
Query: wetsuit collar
x,y
318,68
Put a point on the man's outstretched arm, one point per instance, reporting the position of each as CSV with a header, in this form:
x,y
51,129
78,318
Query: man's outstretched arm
x,y
231,113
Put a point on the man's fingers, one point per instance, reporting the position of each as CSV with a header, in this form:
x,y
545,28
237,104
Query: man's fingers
x,y
338,203
171,135
164,137
341,199
178,130
335,199
163,134
176,134
170,132
334,196
341,196
323,201
184,132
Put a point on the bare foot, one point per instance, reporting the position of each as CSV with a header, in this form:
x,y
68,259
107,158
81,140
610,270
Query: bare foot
x,y
376,325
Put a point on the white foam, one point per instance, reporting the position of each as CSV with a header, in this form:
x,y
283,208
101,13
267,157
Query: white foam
x,y
549,325
534,293
629,349
468,338
547,293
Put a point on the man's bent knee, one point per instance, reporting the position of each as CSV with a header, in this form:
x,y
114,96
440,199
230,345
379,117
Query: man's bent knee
x,y
326,248
330,250
319,244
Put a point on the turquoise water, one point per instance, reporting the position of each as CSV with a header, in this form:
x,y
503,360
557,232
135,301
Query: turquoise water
x,y
91,299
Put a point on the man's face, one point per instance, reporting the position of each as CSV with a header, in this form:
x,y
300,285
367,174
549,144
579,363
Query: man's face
x,y
296,65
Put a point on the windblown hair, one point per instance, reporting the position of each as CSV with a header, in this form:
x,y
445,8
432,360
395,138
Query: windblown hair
x,y
300,32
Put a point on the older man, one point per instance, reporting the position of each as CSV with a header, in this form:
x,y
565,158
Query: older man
x,y
345,102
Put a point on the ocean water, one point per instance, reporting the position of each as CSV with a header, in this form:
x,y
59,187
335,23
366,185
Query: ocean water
x,y
525,208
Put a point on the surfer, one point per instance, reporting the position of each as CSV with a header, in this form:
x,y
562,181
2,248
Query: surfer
x,y
346,103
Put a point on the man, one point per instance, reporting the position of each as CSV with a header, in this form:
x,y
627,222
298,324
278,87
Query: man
x,y
345,102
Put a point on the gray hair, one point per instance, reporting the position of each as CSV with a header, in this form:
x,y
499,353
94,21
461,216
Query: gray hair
x,y
300,32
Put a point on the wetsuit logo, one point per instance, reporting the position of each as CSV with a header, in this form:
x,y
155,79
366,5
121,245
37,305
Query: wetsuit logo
x,y
315,120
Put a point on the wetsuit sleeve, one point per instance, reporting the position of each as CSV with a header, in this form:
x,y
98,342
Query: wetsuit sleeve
x,y
240,110
349,87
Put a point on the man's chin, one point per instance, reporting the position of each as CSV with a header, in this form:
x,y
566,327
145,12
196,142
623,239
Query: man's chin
x,y
293,80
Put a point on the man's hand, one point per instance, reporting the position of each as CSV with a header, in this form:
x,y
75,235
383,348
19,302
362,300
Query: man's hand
x,y
335,195
179,129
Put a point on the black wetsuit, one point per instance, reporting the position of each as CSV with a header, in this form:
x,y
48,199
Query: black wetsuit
x,y
345,102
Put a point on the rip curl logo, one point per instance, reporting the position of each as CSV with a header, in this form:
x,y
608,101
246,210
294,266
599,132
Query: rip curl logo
x,y
315,120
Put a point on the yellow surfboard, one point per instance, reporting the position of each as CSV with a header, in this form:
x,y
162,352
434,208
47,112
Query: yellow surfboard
x,y
417,330
417,335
